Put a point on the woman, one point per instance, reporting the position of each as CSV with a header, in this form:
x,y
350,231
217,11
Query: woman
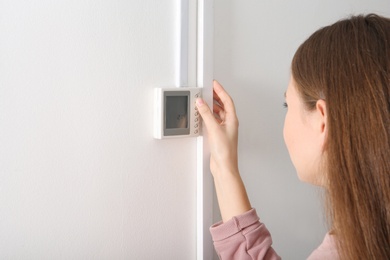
x,y
337,132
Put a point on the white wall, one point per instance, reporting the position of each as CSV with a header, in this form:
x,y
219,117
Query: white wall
x,y
254,45
80,175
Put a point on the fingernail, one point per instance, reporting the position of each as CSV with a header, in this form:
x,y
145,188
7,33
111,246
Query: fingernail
x,y
199,102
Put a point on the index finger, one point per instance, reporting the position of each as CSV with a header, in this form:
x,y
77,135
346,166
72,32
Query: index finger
x,y
222,97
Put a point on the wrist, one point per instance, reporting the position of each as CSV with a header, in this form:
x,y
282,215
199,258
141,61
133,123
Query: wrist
x,y
226,174
228,167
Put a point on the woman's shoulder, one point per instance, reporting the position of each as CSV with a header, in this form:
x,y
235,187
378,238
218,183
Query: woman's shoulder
x,y
327,249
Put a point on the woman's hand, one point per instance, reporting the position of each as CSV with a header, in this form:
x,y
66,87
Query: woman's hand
x,y
222,128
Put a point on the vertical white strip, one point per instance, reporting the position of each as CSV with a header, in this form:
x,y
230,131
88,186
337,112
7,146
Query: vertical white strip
x,y
182,41
195,68
204,180
186,59
192,42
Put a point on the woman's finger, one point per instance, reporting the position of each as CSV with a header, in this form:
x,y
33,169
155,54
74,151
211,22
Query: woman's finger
x,y
207,115
224,99
218,110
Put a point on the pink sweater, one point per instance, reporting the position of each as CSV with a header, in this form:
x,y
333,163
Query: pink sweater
x,y
245,237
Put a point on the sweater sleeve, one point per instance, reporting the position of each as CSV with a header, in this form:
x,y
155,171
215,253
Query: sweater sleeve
x,y
243,237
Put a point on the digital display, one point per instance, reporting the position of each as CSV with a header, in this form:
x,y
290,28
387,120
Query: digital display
x,y
176,114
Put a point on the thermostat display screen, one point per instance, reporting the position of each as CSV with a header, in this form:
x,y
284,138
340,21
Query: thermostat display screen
x,y
176,114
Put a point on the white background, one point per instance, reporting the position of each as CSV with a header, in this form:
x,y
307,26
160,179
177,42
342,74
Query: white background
x,y
253,46
81,176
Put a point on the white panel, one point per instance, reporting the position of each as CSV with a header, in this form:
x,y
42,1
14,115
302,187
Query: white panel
x,y
81,176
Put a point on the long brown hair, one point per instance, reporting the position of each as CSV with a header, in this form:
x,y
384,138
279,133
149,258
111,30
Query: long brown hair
x,y
347,64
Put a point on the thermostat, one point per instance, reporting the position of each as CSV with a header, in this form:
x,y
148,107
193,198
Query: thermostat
x,y
176,114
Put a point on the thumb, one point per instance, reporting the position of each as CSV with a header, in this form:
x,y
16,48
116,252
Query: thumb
x,y
205,111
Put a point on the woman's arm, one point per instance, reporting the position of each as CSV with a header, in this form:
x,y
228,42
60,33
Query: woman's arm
x,y
222,128
240,235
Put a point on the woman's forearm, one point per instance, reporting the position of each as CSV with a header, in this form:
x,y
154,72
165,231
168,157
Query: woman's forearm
x,y
231,193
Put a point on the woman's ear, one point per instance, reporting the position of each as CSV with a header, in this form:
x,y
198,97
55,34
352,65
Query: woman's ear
x,y
322,124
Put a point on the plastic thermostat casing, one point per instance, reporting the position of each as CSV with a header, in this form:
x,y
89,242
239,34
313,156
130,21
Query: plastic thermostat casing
x,y
175,112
